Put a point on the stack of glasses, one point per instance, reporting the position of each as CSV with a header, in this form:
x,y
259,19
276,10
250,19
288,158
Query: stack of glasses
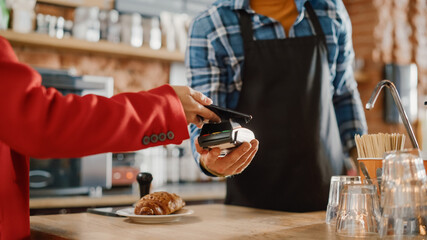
x,y
397,210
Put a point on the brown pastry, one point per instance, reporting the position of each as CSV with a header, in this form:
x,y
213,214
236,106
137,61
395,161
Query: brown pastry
x,y
159,203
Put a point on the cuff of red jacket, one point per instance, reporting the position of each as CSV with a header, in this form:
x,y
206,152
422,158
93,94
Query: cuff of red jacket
x,y
177,115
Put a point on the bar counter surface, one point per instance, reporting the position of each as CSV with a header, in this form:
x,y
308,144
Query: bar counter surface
x,y
209,221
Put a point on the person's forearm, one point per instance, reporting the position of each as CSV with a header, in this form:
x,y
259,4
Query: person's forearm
x,y
350,117
43,123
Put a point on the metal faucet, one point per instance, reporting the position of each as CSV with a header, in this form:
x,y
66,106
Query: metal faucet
x,y
398,102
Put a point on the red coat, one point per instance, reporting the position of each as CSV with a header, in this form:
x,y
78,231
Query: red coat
x,y
42,123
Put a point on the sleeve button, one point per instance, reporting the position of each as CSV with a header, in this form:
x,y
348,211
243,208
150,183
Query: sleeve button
x,y
154,138
170,135
162,137
146,140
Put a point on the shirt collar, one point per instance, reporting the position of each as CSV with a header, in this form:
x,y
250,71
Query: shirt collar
x,y
244,4
240,4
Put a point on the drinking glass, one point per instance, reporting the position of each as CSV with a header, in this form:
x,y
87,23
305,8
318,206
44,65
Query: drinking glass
x,y
404,195
376,182
359,213
337,184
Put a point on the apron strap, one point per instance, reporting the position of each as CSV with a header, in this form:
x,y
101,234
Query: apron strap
x,y
314,20
246,26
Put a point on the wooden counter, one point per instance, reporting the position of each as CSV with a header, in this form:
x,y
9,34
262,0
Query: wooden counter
x,y
211,221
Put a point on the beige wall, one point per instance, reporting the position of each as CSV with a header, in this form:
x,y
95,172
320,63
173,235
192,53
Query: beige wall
x,y
130,74
389,31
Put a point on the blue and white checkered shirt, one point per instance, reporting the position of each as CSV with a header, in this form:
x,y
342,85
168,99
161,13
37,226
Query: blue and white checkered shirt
x,y
215,57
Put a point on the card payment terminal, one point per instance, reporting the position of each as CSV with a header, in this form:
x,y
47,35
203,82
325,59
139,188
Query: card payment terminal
x,y
227,134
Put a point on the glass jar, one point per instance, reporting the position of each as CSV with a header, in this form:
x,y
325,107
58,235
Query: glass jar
x,y
4,15
79,28
93,25
131,29
86,24
42,23
59,29
68,28
114,28
155,34
103,20
23,15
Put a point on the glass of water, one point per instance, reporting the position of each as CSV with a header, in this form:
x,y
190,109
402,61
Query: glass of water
x,y
404,195
359,212
337,184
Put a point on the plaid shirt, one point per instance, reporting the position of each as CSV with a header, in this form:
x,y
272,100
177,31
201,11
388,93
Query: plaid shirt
x,y
215,57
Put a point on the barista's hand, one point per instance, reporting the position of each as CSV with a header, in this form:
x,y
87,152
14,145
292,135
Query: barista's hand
x,y
193,102
233,163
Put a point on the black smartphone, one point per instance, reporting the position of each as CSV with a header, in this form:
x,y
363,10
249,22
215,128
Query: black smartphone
x,y
226,114
106,211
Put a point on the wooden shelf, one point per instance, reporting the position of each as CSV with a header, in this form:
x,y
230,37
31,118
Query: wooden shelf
x,y
101,47
102,4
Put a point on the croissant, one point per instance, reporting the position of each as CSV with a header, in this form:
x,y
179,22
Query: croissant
x,y
159,203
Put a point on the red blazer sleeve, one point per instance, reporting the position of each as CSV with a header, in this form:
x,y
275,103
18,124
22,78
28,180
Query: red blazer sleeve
x,y
41,122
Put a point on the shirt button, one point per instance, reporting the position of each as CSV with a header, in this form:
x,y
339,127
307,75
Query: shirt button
x,y
170,135
162,137
146,140
154,138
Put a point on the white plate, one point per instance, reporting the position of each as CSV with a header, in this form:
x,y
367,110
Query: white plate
x,y
129,212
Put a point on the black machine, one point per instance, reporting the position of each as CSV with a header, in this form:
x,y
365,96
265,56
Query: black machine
x,y
227,134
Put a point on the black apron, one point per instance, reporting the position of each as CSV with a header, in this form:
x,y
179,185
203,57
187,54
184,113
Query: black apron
x,y
287,89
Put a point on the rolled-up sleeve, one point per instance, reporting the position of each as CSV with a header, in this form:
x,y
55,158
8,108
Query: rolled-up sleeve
x,y
202,72
348,106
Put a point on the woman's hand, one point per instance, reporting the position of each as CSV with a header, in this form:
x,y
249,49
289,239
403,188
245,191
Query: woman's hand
x,y
193,103
233,163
